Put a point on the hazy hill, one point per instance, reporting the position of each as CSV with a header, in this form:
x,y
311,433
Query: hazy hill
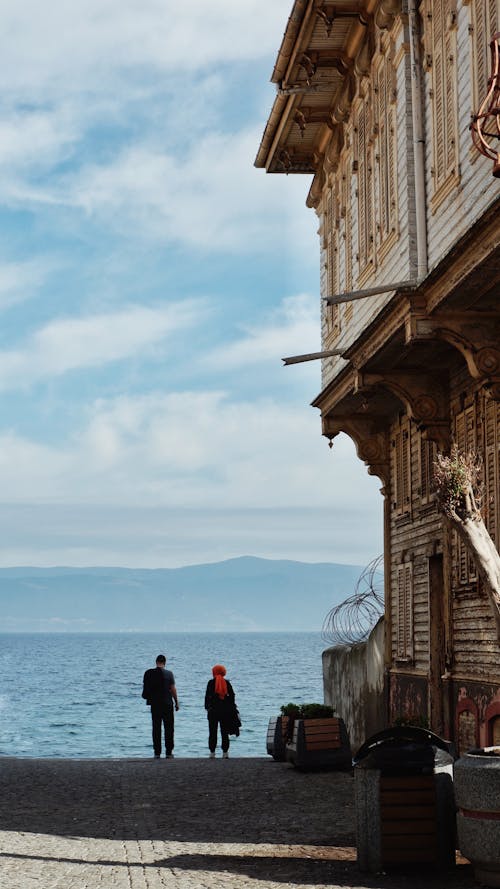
x,y
239,594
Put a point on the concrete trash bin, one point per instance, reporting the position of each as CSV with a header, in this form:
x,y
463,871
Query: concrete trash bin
x,y
477,788
405,806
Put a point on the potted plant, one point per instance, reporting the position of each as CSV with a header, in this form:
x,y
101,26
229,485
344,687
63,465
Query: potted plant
x,y
318,739
280,729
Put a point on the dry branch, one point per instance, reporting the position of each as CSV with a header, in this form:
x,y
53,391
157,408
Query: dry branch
x,y
457,481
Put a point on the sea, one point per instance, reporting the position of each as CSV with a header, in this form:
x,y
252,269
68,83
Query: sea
x,y
79,695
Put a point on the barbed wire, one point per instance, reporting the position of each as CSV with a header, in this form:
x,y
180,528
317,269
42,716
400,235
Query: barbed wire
x,y
353,619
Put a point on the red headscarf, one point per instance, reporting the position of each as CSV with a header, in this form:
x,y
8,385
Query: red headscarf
x,y
220,683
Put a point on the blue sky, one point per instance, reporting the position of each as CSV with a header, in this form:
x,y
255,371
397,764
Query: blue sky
x,y
151,279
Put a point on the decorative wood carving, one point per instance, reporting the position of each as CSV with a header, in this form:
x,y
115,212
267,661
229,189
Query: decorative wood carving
x,y
332,152
386,13
425,399
475,339
371,443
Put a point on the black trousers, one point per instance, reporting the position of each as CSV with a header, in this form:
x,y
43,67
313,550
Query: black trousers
x,y
163,715
214,720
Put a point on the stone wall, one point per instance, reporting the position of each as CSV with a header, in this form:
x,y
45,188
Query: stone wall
x,y
353,683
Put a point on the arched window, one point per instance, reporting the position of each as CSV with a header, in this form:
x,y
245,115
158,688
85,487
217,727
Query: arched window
x,y
492,719
467,725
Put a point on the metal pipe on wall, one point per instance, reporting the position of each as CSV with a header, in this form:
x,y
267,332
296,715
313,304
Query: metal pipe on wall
x,y
418,125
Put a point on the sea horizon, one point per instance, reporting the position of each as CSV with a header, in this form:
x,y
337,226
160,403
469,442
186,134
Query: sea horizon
x,y
78,694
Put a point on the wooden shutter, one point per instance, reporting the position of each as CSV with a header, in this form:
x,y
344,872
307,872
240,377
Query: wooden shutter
x,y
392,168
492,468
347,215
402,469
485,22
404,623
386,127
438,93
362,210
443,44
450,89
428,451
332,312
465,438
366,224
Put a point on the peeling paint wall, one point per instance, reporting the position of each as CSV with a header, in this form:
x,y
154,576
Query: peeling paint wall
x,y
353,681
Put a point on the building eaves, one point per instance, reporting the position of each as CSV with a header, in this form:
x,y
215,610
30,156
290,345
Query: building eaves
x,y
314,63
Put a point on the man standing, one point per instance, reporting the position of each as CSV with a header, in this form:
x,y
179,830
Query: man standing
x,y
160,693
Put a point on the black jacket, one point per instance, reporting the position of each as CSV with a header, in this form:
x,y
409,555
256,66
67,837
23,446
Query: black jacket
x,y
215,704
157,685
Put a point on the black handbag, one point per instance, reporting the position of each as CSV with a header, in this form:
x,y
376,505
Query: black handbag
x,y
233,723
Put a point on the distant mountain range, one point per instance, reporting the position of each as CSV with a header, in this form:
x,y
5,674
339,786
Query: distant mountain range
x,y
242,594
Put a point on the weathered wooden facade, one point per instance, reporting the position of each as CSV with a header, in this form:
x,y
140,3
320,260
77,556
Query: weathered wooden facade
x,y
374,100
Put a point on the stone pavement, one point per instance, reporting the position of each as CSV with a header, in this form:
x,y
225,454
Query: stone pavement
x,y
184,824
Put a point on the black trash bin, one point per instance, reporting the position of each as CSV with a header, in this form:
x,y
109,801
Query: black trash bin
x,y
405,806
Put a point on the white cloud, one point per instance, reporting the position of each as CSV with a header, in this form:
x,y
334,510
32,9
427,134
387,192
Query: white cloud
x,y
88,43
185,179
292,328
210,198
77,343
191,449
20,280
35,138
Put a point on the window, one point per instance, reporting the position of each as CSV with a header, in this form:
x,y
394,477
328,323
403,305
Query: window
x,y
485,22
492,468
332,313
402,469
465,438
441,55
428,451
404,624
385,109
346,215
495,731
364,158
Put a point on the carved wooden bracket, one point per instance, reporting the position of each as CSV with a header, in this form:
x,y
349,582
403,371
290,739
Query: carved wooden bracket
x,y
475,339
425,399
386,13
371,444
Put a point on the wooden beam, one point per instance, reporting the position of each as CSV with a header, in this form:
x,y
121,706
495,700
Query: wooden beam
x,y
400,286
312,356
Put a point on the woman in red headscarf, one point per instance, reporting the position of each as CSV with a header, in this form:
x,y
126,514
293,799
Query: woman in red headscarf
x,y
220,706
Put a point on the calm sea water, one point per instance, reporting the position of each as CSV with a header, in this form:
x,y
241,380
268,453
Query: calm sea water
x,y
79,695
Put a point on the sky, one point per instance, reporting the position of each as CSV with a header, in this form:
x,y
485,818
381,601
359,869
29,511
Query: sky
x,y
151,280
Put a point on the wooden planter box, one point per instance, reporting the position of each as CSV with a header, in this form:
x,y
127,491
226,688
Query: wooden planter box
x,y
319,743
276,737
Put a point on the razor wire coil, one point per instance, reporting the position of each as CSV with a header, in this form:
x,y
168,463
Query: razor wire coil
x,y
352,620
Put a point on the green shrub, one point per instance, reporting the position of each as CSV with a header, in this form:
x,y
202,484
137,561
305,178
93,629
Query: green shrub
x,y
290,710
315,711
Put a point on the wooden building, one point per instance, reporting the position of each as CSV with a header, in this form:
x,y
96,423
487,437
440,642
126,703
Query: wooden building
x,y
374,101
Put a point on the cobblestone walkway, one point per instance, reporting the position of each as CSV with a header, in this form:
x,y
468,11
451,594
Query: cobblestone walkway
x,y
183,824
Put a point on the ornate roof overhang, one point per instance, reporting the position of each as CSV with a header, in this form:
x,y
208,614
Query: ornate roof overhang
x,y
324,46
402,360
